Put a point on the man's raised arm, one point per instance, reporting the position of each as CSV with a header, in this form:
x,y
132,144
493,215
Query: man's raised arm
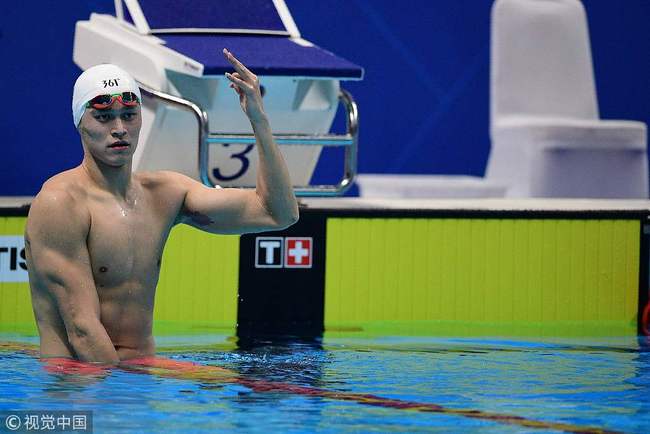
x,y
59,265
273,204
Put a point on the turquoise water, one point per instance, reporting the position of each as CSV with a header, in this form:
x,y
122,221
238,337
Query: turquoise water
x,y
601,384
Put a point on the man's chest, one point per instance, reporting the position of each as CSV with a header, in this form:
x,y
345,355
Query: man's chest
x,y
125,243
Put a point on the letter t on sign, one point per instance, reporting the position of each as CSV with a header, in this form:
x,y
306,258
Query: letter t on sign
x,y
269,252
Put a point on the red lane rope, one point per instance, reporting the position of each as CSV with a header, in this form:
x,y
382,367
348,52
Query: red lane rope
x,y
170,368
368,399
645,320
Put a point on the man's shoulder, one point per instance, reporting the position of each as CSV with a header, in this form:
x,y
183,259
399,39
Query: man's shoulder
x,y
163,180
62,193
160,176
67,184
58,216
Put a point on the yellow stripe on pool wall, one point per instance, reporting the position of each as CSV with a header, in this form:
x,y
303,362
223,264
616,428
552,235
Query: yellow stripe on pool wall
x,y
482,276
197,290
16,314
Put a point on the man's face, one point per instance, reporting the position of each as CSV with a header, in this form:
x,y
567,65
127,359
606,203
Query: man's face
x,y
111,135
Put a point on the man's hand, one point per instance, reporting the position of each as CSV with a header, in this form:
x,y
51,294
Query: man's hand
x,y
247,86
272,206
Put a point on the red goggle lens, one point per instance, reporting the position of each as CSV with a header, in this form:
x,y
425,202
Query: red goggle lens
x,y
101,102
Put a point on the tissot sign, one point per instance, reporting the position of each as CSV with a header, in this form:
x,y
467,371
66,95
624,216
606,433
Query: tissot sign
x,y
13,266
282,280
283,252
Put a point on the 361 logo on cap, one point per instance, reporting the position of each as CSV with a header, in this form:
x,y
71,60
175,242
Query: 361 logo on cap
x,y
111,83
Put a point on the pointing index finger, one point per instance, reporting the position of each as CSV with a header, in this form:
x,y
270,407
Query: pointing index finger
x,y
239,67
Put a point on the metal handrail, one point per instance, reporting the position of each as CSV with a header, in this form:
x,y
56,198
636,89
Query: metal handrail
x,y
348,140
285,139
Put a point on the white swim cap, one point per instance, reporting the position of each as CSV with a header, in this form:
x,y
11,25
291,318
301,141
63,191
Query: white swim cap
x,y
100,80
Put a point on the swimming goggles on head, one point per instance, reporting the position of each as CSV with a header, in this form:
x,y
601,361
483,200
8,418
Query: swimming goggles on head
x,y
101,102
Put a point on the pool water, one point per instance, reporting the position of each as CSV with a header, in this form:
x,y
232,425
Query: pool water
x,y
357,385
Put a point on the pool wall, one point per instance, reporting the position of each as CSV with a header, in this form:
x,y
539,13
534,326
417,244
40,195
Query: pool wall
x,y
495,276
367,272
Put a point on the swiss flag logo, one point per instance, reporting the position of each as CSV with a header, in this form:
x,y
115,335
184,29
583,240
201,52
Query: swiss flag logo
x,y
298,252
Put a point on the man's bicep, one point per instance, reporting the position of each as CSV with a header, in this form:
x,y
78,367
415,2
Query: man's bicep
x,y
228,210
58,259
67,278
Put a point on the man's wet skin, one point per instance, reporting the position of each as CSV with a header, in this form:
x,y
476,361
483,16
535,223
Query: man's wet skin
x,y
95,234
124,240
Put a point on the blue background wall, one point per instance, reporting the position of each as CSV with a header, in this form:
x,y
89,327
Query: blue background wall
x,y
423,103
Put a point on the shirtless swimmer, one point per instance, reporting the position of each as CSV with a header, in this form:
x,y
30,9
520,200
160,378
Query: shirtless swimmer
x,y
95,234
